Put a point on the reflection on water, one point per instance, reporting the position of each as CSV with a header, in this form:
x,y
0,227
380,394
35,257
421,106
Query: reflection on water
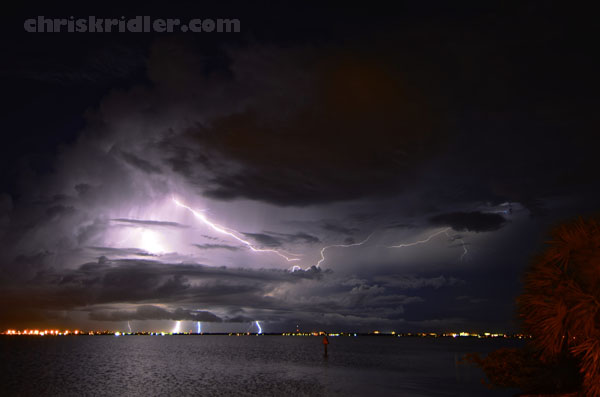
x,y
246,365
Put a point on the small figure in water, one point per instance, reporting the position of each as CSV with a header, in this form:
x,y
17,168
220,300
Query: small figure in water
x,y
325,343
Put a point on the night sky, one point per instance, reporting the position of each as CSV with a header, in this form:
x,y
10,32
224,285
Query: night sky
x,y
429,147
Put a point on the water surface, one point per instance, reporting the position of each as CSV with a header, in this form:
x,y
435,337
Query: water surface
x,y
242,366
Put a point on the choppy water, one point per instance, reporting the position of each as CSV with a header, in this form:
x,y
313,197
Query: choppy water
x,y
241,366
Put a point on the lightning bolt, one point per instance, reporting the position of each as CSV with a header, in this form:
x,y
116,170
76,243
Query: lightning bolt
x,y
464,246
421,241
465,252
199,328
232,233
177,327
129,326
431,236
291,257
339,246
259,328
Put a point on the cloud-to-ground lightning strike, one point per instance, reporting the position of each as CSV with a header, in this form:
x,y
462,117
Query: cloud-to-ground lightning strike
x,y
259,328
340,246
199,329
231,233
177,328
129,326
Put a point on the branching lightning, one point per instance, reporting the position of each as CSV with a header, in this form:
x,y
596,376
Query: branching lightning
x,y
291,257
340,246
233,234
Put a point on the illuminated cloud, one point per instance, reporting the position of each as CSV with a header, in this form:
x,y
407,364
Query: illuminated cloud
x,y
150,312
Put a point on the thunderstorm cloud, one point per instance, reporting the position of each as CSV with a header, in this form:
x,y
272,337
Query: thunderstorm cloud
x,y
441,147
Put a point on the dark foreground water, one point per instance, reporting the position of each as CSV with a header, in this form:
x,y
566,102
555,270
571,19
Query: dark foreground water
x,y
242,366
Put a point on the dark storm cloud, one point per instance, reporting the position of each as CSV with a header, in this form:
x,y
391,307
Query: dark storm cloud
x,y
217,246
299,237
5,212
103,65
138,281
317,150
264,239
140,163
470,299
150,223
469,221
333,227
347,299
369,124
239,318
412,282
82,188
240,295
150,312
59,210
344,141
278,239
400,225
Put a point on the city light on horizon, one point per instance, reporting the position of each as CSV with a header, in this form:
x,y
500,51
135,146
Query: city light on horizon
x,y
450,334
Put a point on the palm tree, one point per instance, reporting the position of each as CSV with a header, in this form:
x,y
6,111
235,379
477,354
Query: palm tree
x,y
560,305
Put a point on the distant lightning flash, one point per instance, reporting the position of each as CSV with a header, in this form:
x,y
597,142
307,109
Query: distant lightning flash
x,y
231,233
340,246
177,327
445,231
199,328
421,241
465,252
129,326
464,246
259,328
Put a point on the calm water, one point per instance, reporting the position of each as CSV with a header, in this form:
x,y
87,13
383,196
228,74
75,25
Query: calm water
x,y
241,366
